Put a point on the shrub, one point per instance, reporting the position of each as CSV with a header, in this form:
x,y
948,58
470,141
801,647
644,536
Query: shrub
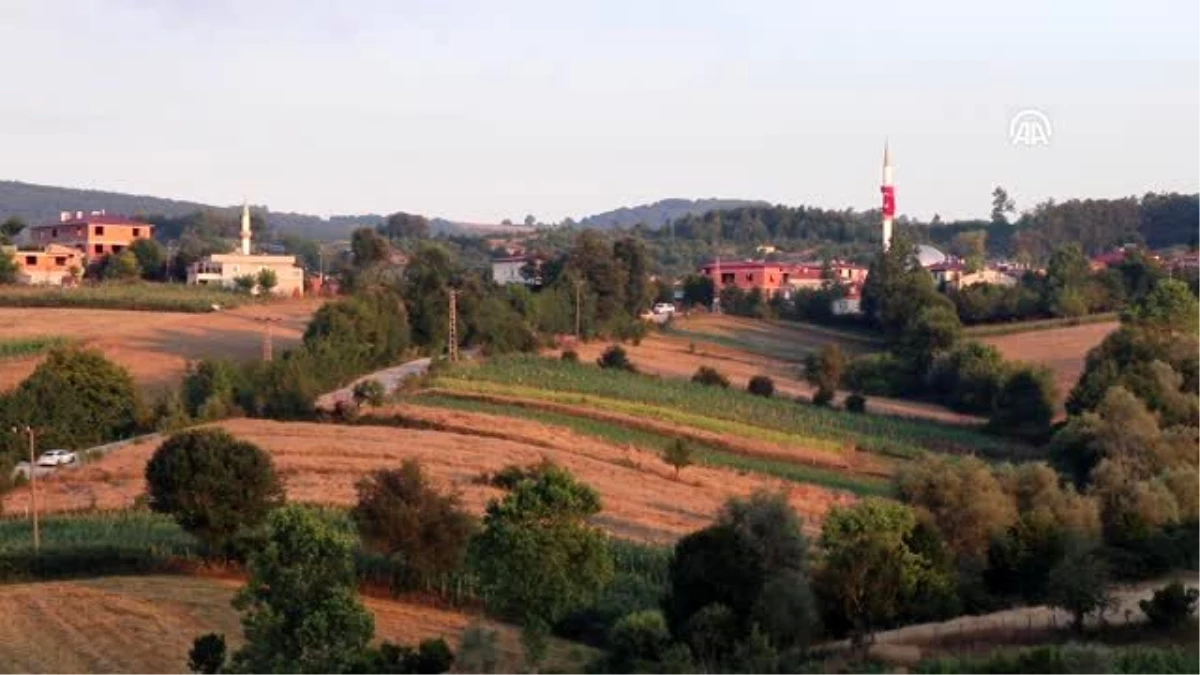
x,y
710,377
1024,406
1172,606
267,280
370,392
401,514
214,485
761,385
856,403
570,355
615,358
208,654
678,454
823,397
245,283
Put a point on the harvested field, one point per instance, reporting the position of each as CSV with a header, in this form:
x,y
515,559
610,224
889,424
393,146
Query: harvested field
x,y
146,624
1063,350
322,462
154,346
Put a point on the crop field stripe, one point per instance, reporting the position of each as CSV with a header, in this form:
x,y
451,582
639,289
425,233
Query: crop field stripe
x,y
151,297
27,346
654,442
722,410
1015,327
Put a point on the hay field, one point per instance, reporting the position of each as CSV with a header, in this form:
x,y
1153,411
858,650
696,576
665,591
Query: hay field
x,y
146,624
1063,350
321,463
154,346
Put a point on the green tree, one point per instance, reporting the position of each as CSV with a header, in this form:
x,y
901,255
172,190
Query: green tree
x,y
151,258
971,246
934,330
591,259
368,248
428,278
537,557
711,377
630,253
1169,308
76,398
1002,205
761,385
1024,406
8,267
823,370
212,484
1171,607
616,358
869,569
401,514
698,290
1079,582
678,454
245,283
370,392
967,502
122,266
208,654
405,226
300,608
1067,275
10,228
267,280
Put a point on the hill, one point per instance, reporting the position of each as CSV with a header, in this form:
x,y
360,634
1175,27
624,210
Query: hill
x,y
663,211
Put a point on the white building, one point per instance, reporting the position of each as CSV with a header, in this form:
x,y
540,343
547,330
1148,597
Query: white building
x,y
508,270
223,269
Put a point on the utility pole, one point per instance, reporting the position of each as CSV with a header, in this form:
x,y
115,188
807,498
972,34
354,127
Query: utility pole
x,y
578,307
268,322
33,504
452,337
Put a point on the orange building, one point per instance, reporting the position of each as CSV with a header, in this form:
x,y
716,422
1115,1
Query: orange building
x,y
96,234
55,265
778,278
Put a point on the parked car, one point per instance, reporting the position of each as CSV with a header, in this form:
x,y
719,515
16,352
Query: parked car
x,y
664,308
56,458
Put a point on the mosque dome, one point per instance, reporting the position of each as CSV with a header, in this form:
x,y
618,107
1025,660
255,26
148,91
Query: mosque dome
x,y
928,255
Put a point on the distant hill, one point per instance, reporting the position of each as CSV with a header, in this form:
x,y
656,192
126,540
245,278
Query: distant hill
x,y
38,204
659,213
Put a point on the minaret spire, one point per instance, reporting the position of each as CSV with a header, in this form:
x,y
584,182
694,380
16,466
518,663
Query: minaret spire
x,y
889,196
245,227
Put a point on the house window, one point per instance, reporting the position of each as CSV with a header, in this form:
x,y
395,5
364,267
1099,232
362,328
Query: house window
x,y
99,230
750,276
54,233
117,248
727,278
137,232
31,260
99,249
60,260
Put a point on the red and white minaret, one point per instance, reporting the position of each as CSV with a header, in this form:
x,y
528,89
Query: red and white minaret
x,y
889,197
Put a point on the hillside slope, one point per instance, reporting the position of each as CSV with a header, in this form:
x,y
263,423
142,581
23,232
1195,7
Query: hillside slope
x,y
657,214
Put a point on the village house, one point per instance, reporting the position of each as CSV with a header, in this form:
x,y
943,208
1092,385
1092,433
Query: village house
x,y
953,274
507,271
776,278
95,234
55,265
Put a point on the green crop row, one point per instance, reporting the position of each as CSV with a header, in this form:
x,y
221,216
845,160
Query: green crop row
x,y
654,442
26,346
1011,328
141,296
723,410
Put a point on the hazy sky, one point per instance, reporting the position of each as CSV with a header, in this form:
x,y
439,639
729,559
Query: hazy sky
x,y
479,110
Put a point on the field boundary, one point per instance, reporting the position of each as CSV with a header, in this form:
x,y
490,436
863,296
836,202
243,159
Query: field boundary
x,y
1015,327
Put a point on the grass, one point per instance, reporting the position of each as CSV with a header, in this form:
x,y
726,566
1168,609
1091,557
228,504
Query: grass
x,y
991,329
721,410
141,296
27,346
655,442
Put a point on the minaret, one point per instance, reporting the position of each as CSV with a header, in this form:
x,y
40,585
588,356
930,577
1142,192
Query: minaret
x,y
245,228
889,197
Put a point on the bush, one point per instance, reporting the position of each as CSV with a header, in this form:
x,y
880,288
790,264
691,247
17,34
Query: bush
x,y
856,403
879,375
761,385
678,454
214,485
1024,406
370,392
1171,607
401,514
570,355
615,358
823,397
208,654
710,377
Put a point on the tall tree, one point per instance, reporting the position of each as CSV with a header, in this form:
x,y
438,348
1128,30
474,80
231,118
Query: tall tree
x,y
402,225
10,228
592,262
368,248
301,611
1002,205
630,253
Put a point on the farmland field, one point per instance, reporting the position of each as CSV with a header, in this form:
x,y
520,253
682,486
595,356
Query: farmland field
x,y
723,410
147,297
146,624
321,463
154,346
1063,350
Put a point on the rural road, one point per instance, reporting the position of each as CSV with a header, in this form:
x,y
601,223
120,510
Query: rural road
x,y
390,378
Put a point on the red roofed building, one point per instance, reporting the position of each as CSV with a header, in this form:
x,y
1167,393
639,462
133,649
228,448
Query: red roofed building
x,y
95,234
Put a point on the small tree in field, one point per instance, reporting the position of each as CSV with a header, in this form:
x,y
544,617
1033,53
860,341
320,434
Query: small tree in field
x,y
616,358
761,385
711,377
1172,606
824,371
1079,582
402,514
267,280
213,484
678,454
370,392
245,283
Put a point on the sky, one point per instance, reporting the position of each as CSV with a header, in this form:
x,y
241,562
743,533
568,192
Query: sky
x,y
480,110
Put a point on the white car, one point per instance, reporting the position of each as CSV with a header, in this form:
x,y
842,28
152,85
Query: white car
x,y
56,458
664,308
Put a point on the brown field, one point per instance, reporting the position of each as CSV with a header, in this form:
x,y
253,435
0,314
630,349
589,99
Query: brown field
x,y
147,624
322,462
1063,350
673,356
154,346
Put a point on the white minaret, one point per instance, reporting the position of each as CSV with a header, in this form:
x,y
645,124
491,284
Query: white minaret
x,y
245,228
889,197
